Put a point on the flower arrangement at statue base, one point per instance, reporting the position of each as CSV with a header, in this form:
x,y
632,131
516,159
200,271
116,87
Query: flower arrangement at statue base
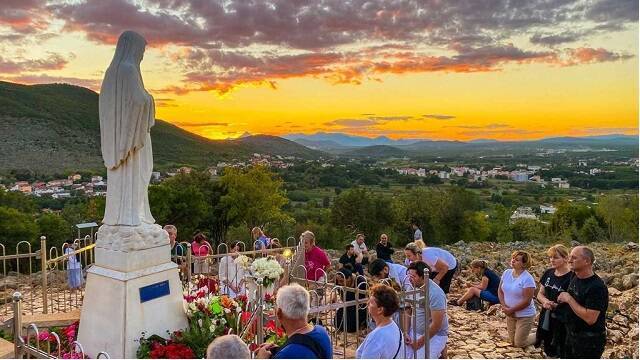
x,y
268,269
209,315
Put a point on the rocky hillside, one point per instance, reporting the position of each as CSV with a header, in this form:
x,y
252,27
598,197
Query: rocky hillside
x,y
53,128
483,334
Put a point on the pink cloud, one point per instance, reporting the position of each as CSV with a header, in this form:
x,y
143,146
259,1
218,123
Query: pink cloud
x,y
53,62
46,79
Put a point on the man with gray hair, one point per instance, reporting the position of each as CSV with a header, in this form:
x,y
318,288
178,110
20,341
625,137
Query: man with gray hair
x,y
228,347
585,304
177,250
305,341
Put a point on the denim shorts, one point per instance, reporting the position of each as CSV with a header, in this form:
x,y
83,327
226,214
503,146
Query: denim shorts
x,y
488,296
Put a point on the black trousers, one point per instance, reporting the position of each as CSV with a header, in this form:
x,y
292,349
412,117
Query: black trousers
x,y
445,282
581,345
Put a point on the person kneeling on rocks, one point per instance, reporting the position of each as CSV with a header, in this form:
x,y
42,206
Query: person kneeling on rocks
x,y
437,331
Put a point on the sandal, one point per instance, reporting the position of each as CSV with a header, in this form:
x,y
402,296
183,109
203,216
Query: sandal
x,y
453,302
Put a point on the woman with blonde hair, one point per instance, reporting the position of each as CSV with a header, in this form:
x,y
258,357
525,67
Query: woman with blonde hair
x,y
412,253
486,289
260,240
516,297
551,330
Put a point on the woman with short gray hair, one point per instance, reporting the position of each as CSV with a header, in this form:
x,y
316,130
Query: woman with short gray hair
x,y
228,347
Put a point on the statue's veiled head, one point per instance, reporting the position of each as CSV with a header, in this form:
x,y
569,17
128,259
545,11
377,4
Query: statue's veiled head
x,y
130,48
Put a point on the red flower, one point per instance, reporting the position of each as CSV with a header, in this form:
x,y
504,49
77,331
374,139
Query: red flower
x,y
245,317
271,325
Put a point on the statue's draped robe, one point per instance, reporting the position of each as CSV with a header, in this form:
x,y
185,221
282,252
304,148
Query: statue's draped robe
x,y
127,113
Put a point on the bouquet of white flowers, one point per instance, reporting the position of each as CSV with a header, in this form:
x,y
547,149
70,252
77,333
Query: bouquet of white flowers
x,y
268,268
243,261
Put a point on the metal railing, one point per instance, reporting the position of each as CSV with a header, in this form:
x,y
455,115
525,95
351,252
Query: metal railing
x,y
46,290
26,346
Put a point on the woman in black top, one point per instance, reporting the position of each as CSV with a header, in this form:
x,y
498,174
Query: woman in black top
x,y
384,249
551,331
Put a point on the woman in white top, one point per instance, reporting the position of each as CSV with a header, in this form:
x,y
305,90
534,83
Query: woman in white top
x,y
516,290
231,274
386,340
74,267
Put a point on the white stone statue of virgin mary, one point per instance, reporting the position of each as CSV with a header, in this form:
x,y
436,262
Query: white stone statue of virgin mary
x,y
127,113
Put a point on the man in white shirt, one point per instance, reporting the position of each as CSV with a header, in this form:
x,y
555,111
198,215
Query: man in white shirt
x,y
442,265
360,248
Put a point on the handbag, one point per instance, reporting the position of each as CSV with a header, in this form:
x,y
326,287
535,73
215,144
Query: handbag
x,y
474,304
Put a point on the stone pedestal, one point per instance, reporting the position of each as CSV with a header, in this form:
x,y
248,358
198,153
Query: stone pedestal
x,y
115,310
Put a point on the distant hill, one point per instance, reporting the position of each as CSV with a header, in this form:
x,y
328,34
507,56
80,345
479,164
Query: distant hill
x,y
54,128
350,145
325,140
377,151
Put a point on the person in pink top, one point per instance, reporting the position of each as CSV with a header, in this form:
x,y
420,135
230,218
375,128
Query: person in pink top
x,y
314,257
200,248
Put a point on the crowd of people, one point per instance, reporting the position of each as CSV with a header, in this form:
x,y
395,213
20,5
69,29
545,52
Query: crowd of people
x,y
571,321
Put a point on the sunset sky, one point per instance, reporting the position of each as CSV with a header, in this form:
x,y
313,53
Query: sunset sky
x,y
431,69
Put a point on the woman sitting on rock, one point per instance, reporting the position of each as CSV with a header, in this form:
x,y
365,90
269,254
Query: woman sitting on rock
x,y
486,289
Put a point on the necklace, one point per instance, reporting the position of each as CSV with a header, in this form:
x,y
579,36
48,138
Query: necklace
x,y
296,331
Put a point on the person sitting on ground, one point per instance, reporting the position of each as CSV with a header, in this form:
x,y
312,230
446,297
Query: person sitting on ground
x,y
412,253
349,257
360,248
228,347
231,275
516,297
395,274
438,330
586,302
486,289
347,278
260,240
551,330
386,340
384,250
305,341
443,266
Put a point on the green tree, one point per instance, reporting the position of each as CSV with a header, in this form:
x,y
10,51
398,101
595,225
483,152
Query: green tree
x,y
55,228
253,197
591,231
19,201
620,214
16,226
359,210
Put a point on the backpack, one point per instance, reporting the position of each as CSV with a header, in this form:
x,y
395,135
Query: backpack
x,y
306,341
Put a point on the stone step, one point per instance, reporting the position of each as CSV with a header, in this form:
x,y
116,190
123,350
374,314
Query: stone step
x,y
6,349
43,321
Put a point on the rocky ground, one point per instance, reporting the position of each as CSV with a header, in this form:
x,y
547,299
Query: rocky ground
x,y
472,334
482,334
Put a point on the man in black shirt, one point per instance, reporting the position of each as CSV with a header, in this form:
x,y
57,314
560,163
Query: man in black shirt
x,y
349,257
588,299
384,249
